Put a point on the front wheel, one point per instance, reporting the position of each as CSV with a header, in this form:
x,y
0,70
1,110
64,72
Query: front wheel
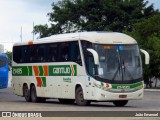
x,y
80,97
120,103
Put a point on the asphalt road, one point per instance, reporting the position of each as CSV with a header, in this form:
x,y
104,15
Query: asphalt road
x,y
11,102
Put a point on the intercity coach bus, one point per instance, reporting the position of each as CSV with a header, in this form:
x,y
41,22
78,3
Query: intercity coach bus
x,y
79,67
3,71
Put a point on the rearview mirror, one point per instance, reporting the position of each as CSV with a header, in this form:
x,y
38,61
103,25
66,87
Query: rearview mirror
x,y
95,56
146,56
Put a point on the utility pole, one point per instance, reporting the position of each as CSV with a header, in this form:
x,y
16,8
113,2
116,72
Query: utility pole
x,y
33,31
21,34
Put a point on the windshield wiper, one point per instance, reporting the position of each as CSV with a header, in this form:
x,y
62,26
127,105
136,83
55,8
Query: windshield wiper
x,y
125,68
119,67
115,74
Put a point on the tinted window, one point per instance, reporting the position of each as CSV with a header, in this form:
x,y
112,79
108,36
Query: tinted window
x,y
17,54
88,57
50,52
70,52
64,52
25,54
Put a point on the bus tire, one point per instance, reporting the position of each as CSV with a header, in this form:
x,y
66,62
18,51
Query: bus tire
x,y
34,97
80,98
120,103
26,93
66,101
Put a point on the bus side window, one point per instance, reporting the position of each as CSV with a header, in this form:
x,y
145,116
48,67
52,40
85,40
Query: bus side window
x,y
52,53
41,53
33,53
17,54
88,57
75,52
64,52
25,54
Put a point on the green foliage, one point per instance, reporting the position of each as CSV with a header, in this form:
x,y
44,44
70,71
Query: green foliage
x,y
9,54
41,29
94,15
147,33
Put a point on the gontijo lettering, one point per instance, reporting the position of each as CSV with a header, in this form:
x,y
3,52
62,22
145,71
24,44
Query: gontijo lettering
x,y
61,70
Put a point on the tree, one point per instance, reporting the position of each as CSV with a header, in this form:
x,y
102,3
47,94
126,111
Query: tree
x,y
147,33
94,15
9,54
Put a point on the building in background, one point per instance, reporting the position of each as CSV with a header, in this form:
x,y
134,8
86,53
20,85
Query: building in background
x,y
1,48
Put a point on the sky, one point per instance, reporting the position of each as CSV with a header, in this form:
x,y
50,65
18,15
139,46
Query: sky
x,y
19,15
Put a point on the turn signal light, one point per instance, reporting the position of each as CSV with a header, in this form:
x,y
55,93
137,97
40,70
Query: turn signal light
x,y
107,85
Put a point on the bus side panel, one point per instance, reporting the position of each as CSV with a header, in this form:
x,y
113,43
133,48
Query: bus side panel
x,y
17,86
47,87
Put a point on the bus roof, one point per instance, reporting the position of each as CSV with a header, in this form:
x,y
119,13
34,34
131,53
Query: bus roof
x,y
94,37
3,55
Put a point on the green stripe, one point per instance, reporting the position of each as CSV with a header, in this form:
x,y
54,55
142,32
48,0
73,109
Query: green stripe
x,y
40,70
116,86
30,70
75,70
54,70
43,81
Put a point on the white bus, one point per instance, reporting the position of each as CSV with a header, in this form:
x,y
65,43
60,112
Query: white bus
x,y
79,67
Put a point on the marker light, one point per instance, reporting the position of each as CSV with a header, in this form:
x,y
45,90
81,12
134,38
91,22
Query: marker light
x,y
30,43
120,47
107,47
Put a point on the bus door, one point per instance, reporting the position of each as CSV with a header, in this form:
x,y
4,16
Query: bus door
x,y
91,73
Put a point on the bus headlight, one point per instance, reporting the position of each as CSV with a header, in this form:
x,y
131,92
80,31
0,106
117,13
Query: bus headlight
x,y
103,86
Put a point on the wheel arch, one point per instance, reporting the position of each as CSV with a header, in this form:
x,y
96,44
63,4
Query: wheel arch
x,y
83,89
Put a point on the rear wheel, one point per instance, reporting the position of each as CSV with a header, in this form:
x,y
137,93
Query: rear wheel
x,y
34,97
66,101
26,93
120,103
80,98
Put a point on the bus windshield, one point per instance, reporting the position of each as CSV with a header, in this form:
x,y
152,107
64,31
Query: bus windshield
x,y
2,61
119,62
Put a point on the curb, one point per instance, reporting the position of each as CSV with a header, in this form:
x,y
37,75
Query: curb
x,y
154,90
